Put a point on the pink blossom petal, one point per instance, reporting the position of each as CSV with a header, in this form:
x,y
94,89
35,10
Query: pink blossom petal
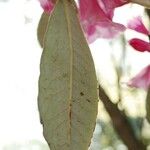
x,y
140,45
108,6
137,25
47,5
118,3
142,79
104,29
95,22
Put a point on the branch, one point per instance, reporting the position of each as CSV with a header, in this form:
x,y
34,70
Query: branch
x,y
145,3
121,123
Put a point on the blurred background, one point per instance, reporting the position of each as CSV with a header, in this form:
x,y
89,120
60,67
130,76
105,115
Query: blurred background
x,y
115,61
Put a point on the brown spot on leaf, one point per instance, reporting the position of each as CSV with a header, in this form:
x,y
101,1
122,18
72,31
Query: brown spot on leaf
x,y
81,93
88,100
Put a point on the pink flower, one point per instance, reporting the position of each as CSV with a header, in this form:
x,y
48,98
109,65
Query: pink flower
x,y
140,45
95,21
137,25
47,5
142,79
109,6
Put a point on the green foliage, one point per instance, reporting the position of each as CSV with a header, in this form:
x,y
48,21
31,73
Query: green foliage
x,y
42,28
67,85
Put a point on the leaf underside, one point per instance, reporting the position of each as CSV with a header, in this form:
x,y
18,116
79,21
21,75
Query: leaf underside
x,y
67,97
42,28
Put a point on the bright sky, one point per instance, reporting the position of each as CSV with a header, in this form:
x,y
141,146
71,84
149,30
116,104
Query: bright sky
x,y
19,69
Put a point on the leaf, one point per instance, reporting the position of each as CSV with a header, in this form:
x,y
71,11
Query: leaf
x,y
67,97
148,105
42,26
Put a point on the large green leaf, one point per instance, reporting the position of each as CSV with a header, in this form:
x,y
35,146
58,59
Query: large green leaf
x,y
67,85
148,105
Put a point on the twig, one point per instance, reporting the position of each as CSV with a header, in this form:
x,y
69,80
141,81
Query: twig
x,y
121,123
145,3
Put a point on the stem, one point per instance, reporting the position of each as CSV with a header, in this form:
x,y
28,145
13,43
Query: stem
x,y
121,123
54,1
145,3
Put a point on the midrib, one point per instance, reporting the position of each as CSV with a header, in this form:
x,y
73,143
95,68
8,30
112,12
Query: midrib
x,y
71,62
